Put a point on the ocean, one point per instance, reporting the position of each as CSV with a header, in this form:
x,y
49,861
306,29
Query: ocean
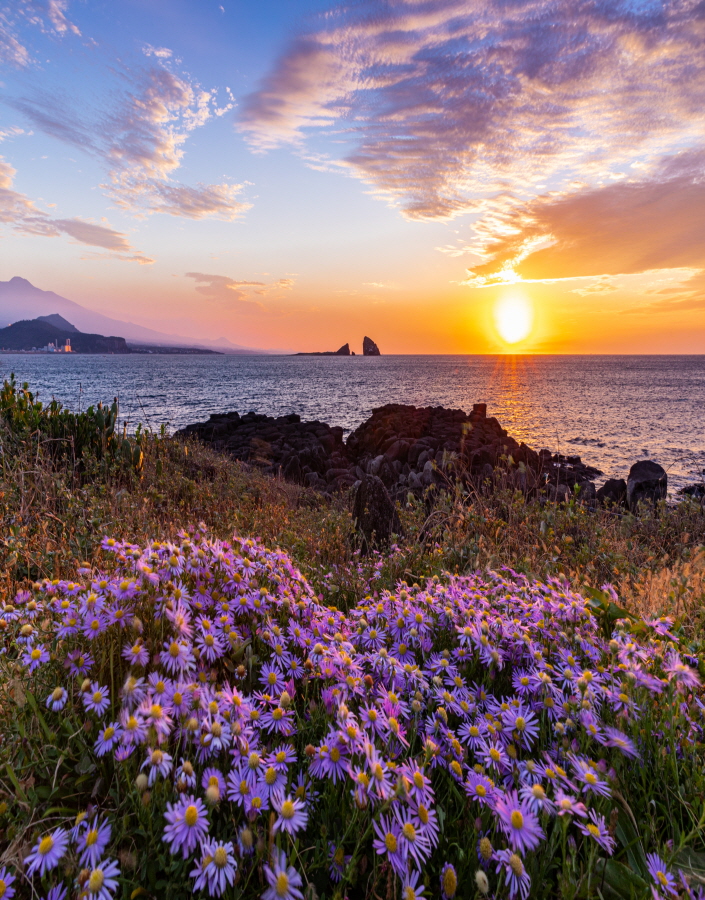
x,y
610,410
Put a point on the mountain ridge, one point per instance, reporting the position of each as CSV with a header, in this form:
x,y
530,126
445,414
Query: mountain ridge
x,y
21,300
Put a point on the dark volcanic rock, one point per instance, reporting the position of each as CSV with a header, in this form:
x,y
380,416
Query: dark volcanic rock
x,y
417,435
697,491
613,492
285,444
369,348
647,483
374,513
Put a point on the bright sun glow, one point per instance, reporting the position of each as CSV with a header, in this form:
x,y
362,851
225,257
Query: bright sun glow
x,y
513,316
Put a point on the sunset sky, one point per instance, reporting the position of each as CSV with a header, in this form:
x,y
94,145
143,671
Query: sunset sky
x,y
295,174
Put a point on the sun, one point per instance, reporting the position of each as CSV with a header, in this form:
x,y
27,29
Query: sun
x,y
514,317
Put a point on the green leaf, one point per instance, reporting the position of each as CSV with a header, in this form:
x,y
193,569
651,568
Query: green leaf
x,y
620,882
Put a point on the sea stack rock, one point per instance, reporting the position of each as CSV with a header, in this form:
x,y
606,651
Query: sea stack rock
x,y
647,483
344,350
369,348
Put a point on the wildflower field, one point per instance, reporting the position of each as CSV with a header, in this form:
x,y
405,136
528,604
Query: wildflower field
x,y
184,712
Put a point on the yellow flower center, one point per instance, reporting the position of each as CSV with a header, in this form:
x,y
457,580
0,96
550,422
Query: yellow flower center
x,y
46,844
288,809
282,886
390,842
450,883
594,830
516,865
220,857
270,776
191,816
95,882
57,693
91,837
517,819
409,831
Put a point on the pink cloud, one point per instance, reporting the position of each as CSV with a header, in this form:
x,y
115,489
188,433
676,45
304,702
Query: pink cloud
x,y
449,101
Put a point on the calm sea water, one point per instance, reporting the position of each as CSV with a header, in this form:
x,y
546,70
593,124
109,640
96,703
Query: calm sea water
x,y
610,410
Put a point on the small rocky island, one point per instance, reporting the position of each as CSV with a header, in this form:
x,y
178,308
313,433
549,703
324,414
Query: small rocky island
x,y
369,348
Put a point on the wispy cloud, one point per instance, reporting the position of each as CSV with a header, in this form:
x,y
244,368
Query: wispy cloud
x,y
448,101
47,15
140,140
236,294
620,229
23,215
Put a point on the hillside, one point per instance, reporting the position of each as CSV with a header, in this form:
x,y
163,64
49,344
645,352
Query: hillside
x,y
34,334
21,300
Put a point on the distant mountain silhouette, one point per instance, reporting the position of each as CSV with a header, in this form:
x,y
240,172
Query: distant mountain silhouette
x,y
21,300
58,322
35,334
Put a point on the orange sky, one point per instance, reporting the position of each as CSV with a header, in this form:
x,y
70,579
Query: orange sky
x,y
294,177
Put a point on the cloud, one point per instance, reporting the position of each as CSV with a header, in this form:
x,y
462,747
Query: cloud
x,y
688,295
159,52
140,141
620,229
23,215
47,15
447,101
236,295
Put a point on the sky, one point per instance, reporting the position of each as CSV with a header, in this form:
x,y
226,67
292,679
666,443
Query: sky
x,y
447,177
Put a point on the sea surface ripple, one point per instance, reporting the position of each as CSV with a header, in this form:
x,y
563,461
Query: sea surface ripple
x,y
610,410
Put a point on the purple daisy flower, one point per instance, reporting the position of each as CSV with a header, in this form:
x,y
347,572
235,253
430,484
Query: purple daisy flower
x,y
515,874
35,657
47,852
660,875
136,654
616,738
102,881
449,882
518,822
91,841
213,784
6,881
97,699
596,828
410,887
216,869
292,813
187,824
569,806
79,663
157,763
338,862
58,892
283,880
388,843
56,701
107,739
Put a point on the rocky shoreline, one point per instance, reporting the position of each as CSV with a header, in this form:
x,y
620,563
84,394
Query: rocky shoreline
x,y
410,449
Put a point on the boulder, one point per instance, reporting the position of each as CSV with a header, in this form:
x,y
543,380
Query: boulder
x,y
369,348
647,483
696,491
587,494
374,513
559,493
613,492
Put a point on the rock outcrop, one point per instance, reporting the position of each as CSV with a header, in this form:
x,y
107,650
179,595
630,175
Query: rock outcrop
x,y
647,483
613,492
404,449
369,348
375,513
